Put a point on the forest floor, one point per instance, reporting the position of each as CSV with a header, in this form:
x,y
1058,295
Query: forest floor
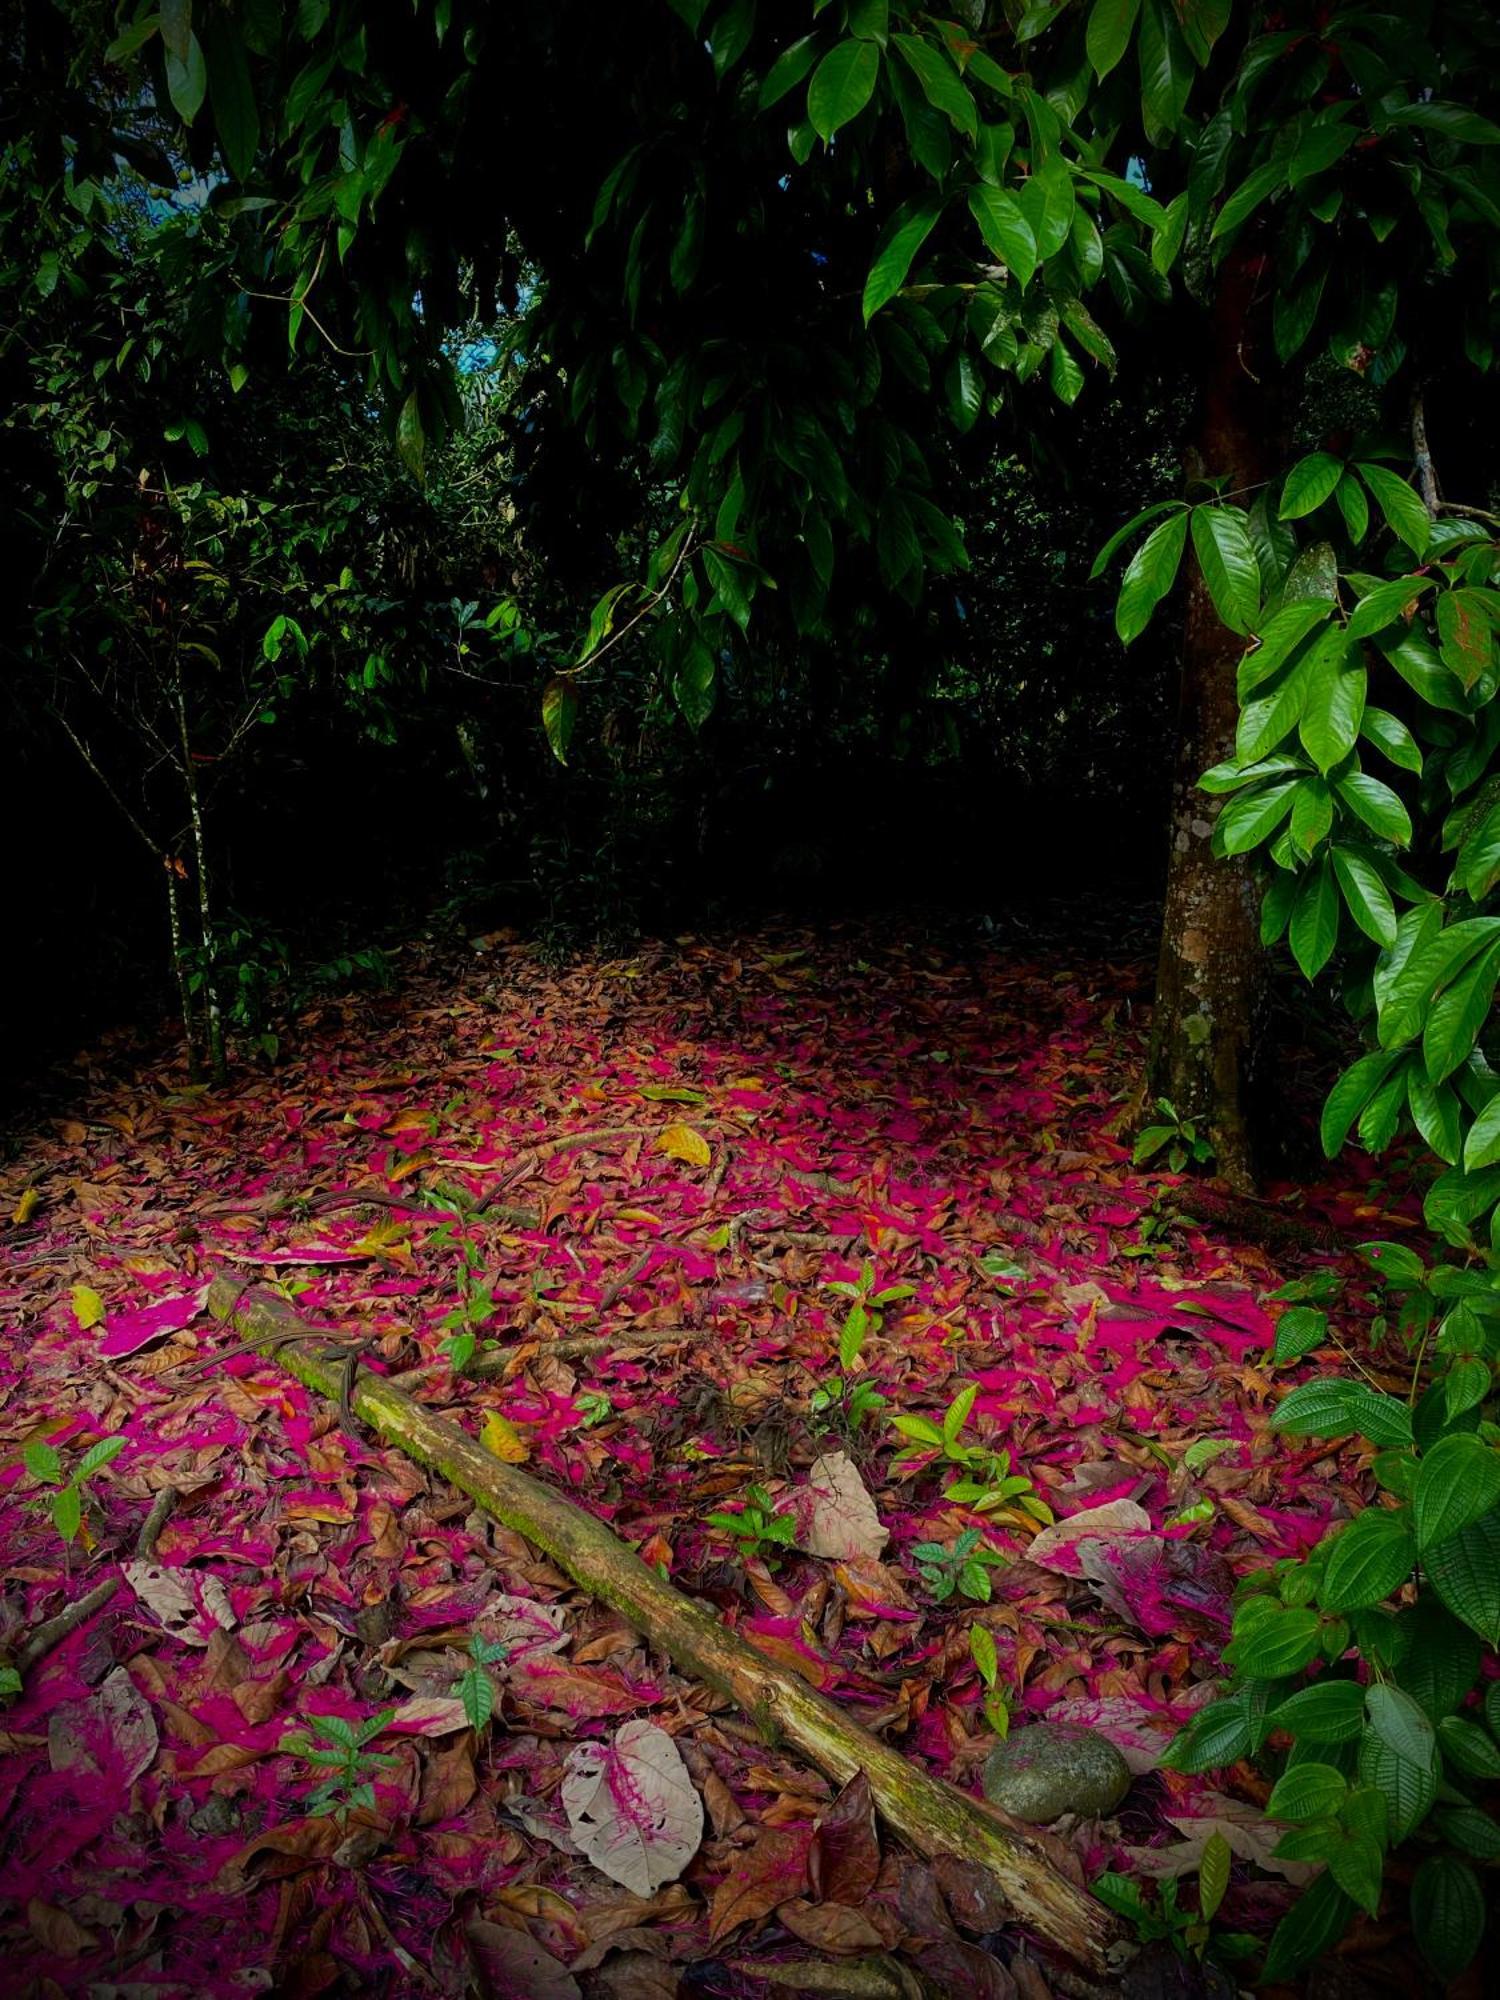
x,y
711,1136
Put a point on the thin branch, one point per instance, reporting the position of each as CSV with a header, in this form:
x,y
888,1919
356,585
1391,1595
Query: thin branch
x,y
1422,454
630,623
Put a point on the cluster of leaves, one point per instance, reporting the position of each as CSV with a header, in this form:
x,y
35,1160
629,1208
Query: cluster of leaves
x,y
960,1569
985,1482
847,1395
68,1492
1190,1933
340,1749
756,1528
1177,1138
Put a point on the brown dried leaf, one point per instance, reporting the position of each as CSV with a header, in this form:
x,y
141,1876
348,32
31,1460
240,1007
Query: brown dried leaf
x,y
632,1808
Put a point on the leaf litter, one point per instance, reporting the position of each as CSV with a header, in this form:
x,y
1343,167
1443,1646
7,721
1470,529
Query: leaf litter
x,y
496,1149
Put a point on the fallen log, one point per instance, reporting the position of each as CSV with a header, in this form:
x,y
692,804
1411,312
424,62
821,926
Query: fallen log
x,y
932,1816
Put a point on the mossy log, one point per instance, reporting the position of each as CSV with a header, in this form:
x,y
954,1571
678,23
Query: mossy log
x,y
932,1816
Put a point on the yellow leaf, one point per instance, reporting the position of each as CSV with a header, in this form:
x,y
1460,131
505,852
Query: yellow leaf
x,y
683,1143
88,1307
27,1206
501,1437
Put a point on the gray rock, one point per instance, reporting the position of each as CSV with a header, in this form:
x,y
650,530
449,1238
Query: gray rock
x,y
1052,1768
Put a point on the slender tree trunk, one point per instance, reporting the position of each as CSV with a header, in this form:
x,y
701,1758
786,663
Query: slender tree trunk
x,y
1210,982
213,1014
171,866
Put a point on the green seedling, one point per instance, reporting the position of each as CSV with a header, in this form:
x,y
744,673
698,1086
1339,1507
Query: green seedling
x,y
70,1496
341,1752
594,1406
475,1687
757,1530
474,1310
1189,1932
1176,1137
962,1570
985,1482
996,1708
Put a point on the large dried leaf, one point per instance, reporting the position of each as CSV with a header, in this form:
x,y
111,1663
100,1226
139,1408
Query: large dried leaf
x,y
111,1735
1057,1547
632,1806
835,1513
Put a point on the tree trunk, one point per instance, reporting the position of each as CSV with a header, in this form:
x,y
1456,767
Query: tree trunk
x,y
1210,981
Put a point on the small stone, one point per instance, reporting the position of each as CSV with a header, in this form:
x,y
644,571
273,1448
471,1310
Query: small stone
x,y
1052,1768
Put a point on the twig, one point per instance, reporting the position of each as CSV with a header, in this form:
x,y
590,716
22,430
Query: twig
x,y
1422,454
155,1521
490,1366
53,1631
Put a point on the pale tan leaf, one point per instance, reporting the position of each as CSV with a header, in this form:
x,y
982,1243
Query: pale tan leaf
x,y
632,1807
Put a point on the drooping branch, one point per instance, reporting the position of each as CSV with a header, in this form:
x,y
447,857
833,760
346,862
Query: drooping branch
x,y
933,1816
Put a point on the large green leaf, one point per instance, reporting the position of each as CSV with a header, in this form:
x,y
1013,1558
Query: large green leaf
x,y
1370,1559
1464,1570
1314,928
1309,483
1313,1925
1447,1913
1378,806
1365,894
1350,1095
1334,1409
1151,573
1409,1784
1306,1791
1330,1711
1008,235
942,86
1458,1014
231,96
1335,704
1221,542
1278,638
187,78
1405,514
842,85
1253,817
1166,70
1281,1643
1108,34
904,235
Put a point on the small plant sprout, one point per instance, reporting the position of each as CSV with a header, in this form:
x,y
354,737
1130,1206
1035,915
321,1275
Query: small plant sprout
x,y
475,1687
996,1709
594,1406
757,1530
70,1495
1189,1932
845,1396
341,1753
475,1309
1179,1138
985,1483
963,1570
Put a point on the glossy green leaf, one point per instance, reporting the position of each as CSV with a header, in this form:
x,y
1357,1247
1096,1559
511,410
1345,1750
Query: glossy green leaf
x,y
1404,512
1008,235
1464,1570
1221,542
1369,1559
1108,34
904,235
842,85
1309,483
1151,573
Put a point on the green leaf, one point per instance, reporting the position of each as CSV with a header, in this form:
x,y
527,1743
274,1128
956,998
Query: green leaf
x,y
1254,816
841,87
1318,149
1108,34
1367,898
101,1454
1400,1722
1465,633
1392,738
1377,805
1370,1558
870,19
1335,704
1278,638
1221,542
1008,235
1216,1736
1329,1711
1452,121
42,1462
788,70
1122,535
1308,484
187,78
411,438
1299,1330
1404,512
1150,576
1356,1861
1458,1014
1464,1570
1334,1409
1350,1095
1409,1786
1470,1829
1447,1913
903,236
1314,928
1468,1748
1166,70
559,713
1213,1876
231,97
67,1511
1306,1791
1312,1926
1281,1643
942,86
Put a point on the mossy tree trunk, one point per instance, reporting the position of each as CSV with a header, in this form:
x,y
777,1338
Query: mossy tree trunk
x,y
1208,1023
